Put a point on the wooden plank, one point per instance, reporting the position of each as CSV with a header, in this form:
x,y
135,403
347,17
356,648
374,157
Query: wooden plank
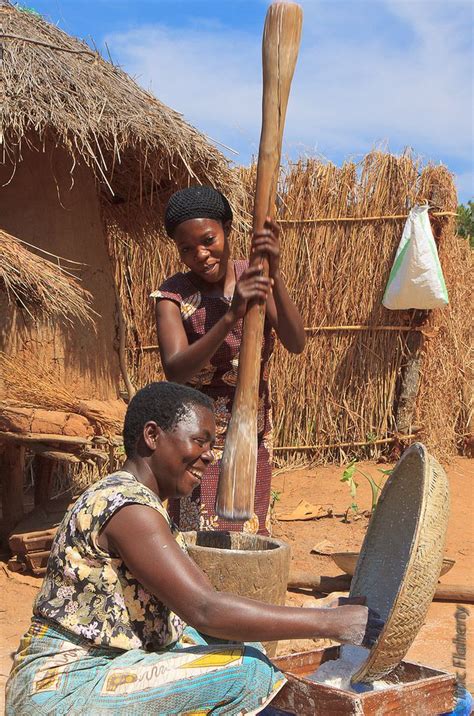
x,y
37,562
38,541
424,696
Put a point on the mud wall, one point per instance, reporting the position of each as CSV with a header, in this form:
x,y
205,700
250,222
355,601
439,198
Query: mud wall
x,y
46,201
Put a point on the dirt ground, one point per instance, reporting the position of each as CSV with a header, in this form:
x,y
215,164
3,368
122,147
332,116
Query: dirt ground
x,y
320,486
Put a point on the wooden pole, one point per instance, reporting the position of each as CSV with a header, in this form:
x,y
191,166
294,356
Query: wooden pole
x,y
12,469
281,38
43,478
409,384
342,583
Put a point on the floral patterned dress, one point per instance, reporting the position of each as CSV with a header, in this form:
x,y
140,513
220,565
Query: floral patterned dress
x,y
218,380
100,643
92,594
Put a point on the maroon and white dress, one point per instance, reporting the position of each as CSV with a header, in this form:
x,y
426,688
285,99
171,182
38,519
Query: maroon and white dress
x,y
199,312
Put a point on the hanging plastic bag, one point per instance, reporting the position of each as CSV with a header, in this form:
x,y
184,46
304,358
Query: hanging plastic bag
x,y
416,279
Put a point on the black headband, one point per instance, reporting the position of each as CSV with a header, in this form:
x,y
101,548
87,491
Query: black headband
x,y
196,202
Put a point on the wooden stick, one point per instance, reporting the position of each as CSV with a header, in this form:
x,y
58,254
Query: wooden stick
x,y
342,583
388,217
43,438
11,36
363,327
281,38
325,446
322,329
121,347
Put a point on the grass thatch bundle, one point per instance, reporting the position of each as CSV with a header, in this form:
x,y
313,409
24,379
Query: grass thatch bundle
x,y
53,83
37,284
32,385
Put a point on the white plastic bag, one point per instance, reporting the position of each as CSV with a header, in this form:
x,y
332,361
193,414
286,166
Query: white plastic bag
x,y
416,279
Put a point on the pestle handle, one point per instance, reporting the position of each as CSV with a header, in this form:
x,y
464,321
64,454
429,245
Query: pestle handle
x,y
281,38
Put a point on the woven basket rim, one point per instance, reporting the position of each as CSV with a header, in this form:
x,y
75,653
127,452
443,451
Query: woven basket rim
x,y
422,508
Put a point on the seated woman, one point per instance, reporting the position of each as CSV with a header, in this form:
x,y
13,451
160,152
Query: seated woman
x,y
125,622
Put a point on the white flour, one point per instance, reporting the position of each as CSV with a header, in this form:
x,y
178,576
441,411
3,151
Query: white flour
x,y
337,673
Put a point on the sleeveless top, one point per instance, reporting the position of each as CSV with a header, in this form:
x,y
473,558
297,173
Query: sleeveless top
x,y
90,592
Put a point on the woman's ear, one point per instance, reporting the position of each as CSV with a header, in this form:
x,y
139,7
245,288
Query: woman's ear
x,y
151,434
227,227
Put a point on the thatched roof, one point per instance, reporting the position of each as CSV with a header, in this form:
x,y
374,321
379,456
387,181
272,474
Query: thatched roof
x,y
38,285
52,82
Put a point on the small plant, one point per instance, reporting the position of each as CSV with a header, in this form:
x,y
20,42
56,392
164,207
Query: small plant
x,y
349,476
275,497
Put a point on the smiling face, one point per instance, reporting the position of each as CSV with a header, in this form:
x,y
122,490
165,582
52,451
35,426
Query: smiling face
x,y
203,246
182,454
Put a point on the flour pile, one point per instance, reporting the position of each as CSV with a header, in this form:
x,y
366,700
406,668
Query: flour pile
x,y
337,673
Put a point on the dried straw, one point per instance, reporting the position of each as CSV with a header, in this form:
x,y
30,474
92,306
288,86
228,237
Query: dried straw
x,y
32,385
444,404
346,384
54,84
39,285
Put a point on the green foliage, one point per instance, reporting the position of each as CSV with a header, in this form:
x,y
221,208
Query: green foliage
x,y
466,222
349,476
275,497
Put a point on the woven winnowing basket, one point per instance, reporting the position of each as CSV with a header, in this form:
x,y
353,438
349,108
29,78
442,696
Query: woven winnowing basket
x,y
401,557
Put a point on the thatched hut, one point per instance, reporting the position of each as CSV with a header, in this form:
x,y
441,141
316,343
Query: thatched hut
x,y
87,160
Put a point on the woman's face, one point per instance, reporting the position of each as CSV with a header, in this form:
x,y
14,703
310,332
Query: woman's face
x,y
203,247
182,454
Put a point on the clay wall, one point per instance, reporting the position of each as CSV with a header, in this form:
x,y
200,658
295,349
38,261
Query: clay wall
x,y
54,206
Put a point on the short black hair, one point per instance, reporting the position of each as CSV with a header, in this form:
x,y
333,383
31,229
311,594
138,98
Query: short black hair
x,y
196,202
163,402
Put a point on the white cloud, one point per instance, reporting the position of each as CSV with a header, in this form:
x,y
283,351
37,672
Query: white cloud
x,y
368,71
465,185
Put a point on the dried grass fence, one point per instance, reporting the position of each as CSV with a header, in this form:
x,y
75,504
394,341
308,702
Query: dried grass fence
x,y
340,228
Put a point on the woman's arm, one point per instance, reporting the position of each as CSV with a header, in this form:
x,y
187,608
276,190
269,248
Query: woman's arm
x,y
181,360
281,310
142,538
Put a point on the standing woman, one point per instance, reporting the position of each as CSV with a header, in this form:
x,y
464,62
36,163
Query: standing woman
x,y
199,316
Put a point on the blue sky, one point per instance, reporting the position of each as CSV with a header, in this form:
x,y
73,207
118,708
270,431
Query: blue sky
x,y
390,73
